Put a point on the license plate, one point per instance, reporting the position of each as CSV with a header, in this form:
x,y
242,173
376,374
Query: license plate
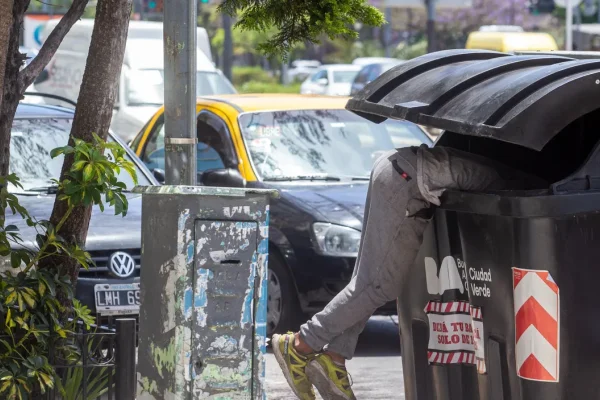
x,y
117,299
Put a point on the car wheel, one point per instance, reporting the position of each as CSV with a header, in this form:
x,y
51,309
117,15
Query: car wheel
x,y
283,309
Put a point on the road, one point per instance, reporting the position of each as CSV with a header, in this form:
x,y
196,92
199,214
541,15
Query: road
x,y
376,369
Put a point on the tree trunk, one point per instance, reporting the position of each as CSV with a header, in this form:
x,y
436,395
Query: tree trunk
x,y
6,7
94,109
16,81
10,88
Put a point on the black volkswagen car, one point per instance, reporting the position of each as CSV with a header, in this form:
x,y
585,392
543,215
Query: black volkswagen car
x,y
111,287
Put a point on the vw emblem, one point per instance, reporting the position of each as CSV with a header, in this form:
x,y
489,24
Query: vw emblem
x,y
121,265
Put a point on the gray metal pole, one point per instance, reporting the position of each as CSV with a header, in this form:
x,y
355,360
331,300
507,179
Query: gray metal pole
x,y
388,31
125,379
227,46
180,92
431,45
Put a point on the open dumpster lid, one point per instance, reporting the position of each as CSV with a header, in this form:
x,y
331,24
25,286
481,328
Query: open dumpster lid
x,y
521,99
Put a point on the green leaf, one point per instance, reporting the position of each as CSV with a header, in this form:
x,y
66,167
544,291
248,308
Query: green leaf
x,y
15,259
61,150
88,172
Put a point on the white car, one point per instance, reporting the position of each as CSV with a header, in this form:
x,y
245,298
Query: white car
x,y
363,61
301,69
331,80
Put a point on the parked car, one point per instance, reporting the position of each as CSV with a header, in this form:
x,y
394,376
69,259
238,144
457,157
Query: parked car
x,y
114,242
319,156
301,69
362,61
330,80
369,73
141,85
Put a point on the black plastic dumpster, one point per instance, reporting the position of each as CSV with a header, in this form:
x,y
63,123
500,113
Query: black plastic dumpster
x,y
504,299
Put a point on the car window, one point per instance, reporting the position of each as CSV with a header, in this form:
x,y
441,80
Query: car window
x,y
214,150
344,76
374,73
32,140
309,142
319,75
362,75
146,86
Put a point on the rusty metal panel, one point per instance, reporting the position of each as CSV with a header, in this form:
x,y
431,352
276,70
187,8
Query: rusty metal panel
x,y
194,343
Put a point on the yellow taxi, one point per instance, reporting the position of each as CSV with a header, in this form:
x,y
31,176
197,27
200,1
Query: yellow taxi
x,y
319,156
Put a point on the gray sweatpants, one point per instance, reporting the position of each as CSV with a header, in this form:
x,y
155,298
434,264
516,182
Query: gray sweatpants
x,y
403,184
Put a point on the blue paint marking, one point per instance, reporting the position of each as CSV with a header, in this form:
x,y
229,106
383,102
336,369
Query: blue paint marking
x,y
187,303
247,316
245,245
190,252
182,220
263,247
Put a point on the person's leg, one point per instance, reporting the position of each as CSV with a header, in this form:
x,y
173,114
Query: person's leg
x,y
385,210
390,242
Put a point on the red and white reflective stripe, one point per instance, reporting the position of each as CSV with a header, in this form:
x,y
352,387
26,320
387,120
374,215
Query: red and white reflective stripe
x,y
537,325
459,357
449,307
476,313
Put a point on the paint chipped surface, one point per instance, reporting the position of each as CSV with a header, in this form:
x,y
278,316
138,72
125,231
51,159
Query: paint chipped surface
x,y
203,314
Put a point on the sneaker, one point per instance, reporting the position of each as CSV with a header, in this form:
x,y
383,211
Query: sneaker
x,y
331,379
293,365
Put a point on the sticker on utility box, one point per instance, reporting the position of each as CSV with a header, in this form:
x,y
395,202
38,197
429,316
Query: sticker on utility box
x,y
455,334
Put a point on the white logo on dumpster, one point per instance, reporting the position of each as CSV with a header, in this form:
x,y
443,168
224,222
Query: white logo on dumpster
x,y
448,279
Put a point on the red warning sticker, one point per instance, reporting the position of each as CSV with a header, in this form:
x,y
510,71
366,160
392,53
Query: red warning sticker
x,y
455,334
537,325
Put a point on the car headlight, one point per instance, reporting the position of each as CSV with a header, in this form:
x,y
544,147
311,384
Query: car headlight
x,y
336,240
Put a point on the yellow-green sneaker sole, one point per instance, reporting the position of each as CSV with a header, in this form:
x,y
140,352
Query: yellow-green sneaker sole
x,y
320,379
285,369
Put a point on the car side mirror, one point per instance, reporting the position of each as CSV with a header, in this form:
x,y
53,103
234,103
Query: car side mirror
x,y
159,174
223,177
322,81
42,77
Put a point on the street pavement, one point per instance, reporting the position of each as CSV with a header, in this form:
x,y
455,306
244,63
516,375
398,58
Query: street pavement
x,y
376,370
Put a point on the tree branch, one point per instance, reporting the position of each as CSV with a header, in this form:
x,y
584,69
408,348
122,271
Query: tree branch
x,y
28,75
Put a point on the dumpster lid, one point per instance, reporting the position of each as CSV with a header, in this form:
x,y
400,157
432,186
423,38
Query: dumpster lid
x,y
521,99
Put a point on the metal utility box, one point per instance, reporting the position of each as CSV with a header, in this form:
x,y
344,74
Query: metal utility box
x,y
501,303
203,293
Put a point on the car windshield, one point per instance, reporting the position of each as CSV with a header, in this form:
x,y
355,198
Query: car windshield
x,y
344,76
147,86
31,142
321,143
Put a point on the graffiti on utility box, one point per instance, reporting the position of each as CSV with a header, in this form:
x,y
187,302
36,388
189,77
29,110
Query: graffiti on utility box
x,y
203,293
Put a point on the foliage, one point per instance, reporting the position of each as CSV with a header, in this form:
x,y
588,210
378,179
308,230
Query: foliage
x,y
455,25
296,22
243,75
261,87
35,323
409,51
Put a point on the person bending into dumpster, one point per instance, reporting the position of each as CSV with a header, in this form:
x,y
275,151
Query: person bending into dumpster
x,y
405,187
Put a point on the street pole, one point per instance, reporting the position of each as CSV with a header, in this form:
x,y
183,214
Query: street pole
x,y
227,46
388,31
431,45
569,26
180,91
